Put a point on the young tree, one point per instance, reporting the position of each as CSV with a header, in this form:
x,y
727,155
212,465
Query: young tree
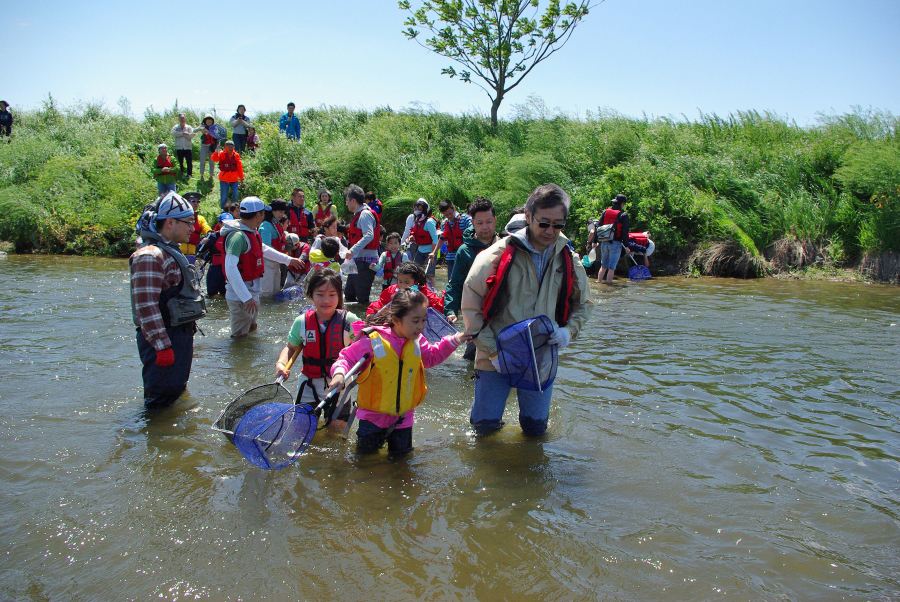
x,y
496,41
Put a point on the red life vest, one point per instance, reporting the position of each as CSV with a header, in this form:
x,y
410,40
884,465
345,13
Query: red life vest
x,y
250,263
229,163
322,214
392,263
278,242
298,226
453,236
611,216
299,251
196,232
320,350
498,287
164,161
640,238
217,255
420,235
355,234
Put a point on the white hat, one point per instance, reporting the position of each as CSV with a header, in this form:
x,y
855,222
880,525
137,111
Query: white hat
x,y
252,204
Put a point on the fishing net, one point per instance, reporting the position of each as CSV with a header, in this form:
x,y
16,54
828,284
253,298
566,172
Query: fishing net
x,y
234,411
638,273
273,435
527,359
437,326
289,294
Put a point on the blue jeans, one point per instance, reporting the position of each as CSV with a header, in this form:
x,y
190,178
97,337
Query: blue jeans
x,y
491,392
224,188
422,259
165,188
240,142
609,254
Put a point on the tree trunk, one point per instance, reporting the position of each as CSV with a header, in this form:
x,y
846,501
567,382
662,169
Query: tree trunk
x,y
495,106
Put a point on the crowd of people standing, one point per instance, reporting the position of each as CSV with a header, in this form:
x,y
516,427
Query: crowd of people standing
x,y
259,250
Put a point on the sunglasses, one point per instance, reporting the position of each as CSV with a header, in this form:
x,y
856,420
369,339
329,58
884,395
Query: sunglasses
x,y
545,225
188,222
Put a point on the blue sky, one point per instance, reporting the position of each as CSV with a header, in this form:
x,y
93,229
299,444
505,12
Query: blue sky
x,y
795,58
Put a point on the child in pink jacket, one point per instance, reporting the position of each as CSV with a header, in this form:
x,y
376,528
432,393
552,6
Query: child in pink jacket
x,y
392,383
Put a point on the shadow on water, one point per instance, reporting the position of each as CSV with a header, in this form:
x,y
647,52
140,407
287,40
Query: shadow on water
x,y
707,437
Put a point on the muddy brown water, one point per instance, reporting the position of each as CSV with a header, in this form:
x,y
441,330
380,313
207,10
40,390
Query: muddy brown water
x,y
709,439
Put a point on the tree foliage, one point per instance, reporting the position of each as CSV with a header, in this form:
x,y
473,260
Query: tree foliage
x,y
498,42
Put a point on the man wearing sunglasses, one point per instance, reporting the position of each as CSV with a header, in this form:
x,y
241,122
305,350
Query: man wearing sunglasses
x,y
165,300
539,280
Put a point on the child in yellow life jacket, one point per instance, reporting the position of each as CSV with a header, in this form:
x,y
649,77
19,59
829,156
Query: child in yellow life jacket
x,y
322,331
393,382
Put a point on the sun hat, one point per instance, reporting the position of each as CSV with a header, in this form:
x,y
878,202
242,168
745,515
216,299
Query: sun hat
x,y
193,197
225,216
231,142
163,145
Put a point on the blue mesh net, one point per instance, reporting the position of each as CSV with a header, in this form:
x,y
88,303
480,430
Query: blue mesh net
x,y
638,273
291,293
273,435
527,359
437,326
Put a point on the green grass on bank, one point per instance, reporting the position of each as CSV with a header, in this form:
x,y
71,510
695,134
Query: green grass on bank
x,y
74,179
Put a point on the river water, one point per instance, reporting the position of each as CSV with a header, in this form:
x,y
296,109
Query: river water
x,y
709,439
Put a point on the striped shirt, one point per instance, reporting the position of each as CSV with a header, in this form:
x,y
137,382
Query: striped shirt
x,y
152,272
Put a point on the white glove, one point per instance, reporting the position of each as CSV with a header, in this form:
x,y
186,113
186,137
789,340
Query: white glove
x,y
495,361
560,337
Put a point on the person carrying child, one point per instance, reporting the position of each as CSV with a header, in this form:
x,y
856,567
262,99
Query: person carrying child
x,y
390,260
392,385
322,331
409,275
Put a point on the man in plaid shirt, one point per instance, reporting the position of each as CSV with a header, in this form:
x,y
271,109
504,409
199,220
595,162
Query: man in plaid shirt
x,y
160,273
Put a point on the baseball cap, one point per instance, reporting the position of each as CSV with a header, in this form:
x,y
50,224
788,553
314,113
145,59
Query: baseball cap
x,y
252,204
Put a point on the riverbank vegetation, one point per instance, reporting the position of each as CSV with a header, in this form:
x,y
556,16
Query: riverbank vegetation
x,y
739,195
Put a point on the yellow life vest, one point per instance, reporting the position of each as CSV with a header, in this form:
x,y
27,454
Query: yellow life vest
x,y
391,384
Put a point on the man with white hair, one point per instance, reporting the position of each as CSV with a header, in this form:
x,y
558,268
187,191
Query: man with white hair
x,y
165,300
244,265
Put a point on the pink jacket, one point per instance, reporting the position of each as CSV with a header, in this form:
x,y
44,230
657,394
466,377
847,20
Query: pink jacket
x,y
432,355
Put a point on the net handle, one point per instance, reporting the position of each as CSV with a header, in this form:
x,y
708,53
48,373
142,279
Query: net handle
x,y
289,363
537,370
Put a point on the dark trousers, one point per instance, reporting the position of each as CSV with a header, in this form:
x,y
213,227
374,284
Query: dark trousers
x,y
163,385
370,438
185,154
240,142
359,285
215,281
